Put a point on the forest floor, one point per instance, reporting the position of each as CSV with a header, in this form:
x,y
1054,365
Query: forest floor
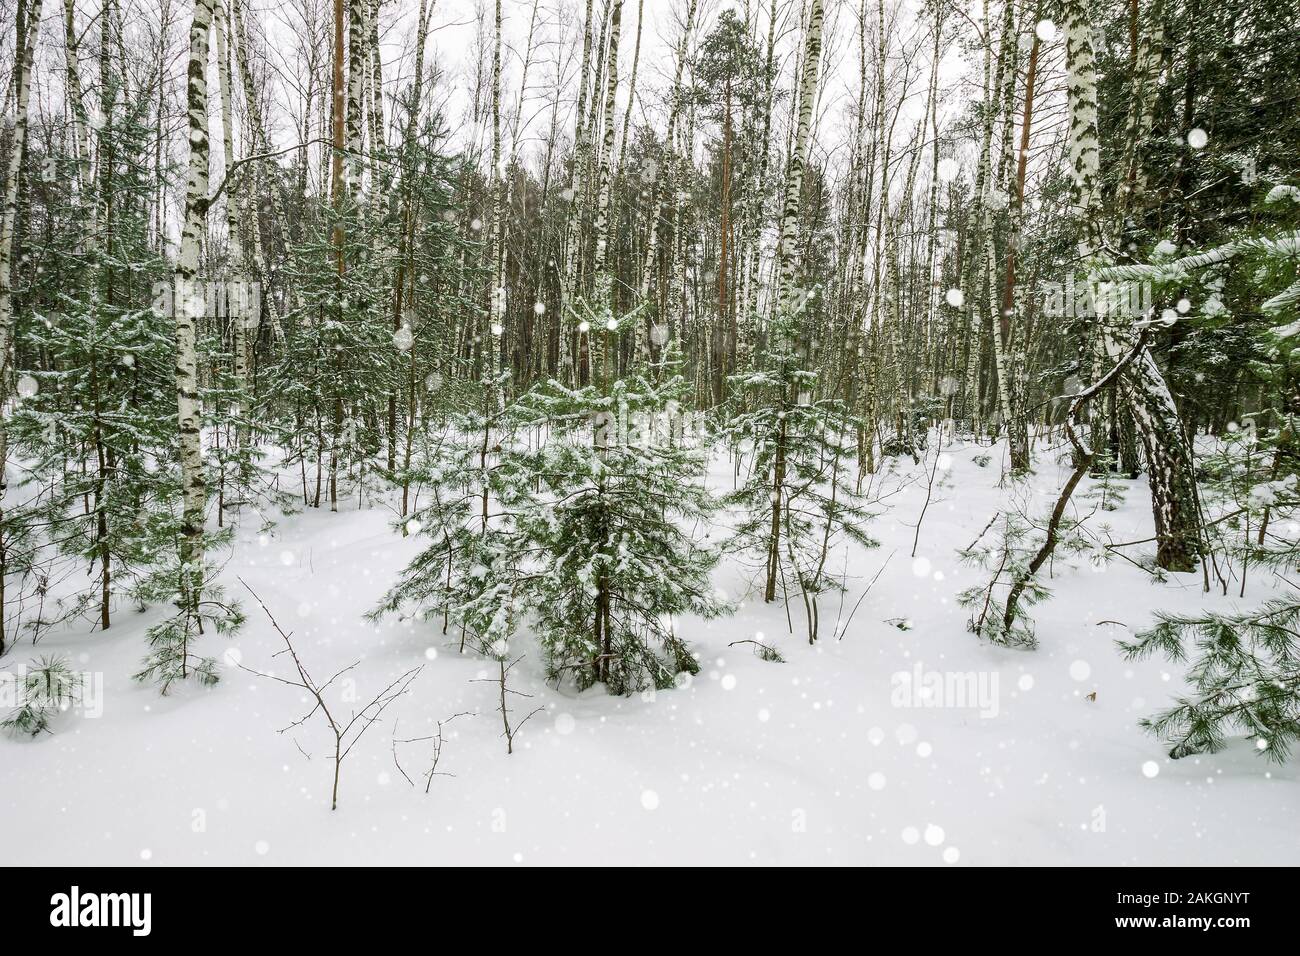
x,y
817,760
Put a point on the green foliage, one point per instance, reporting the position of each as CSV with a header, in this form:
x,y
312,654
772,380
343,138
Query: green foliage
x,y
1006,560
41,693
616,532
469,573
369,347
1244,674
200,608
577,510
796,451
95,426
1106,491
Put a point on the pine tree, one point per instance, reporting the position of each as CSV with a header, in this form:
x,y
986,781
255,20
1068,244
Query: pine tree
x,y
1245,674
616,532
1243,667
799,496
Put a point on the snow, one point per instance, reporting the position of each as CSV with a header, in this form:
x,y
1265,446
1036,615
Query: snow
x,y
1283,191
816,760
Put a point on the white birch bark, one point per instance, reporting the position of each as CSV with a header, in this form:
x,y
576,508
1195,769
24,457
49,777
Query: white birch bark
x,y
607,146
72,72
569,277
787,256
235,212
354,116
1169,459
21,94
659,190
193,485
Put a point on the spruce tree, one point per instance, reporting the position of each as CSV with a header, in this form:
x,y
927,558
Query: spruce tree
x,y
798,498
617,530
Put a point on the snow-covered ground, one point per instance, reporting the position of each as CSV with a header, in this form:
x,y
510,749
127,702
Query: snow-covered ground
x,y
814,760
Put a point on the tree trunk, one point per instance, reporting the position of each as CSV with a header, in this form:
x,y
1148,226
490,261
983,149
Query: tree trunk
x,y
1169,456
193,486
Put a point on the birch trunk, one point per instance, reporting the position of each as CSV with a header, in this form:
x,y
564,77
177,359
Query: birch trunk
x,y
264,183
787,254
357,66
607,144
658,188
187,296
24,55
569,278
80,121
235,212
497,294
1170,468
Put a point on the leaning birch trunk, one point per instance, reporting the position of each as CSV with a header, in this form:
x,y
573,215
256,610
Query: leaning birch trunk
x,y
1169,458
193,488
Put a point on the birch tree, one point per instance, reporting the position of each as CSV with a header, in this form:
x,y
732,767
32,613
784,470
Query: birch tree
x,y
1169,459
28,22
187,296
